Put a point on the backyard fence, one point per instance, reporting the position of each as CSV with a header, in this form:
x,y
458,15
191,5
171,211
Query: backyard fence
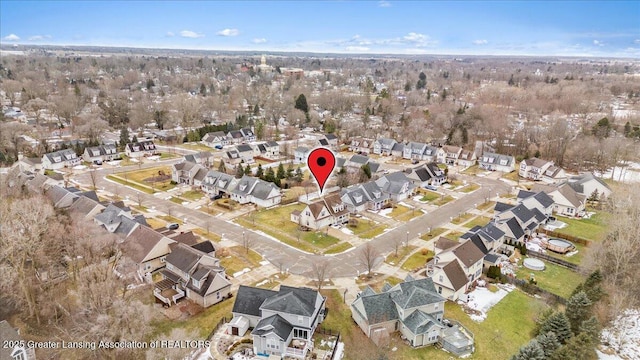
x,y
574,239
217,327
532,289
330,332
555,260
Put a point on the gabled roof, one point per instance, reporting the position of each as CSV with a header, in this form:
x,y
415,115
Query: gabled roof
x,y
273,324
249,299
205,246
379,308
577,182
331,137
244,148
475,238
187,238
443,243
415,293
500,207
323,142
183,257
292,300
420,323
468,253
359,159
456,275
214,281
141,241
523,194
262,189
544,199
490,232
84,205
515,228
522,213
422,174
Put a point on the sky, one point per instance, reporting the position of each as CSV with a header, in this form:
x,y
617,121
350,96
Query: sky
x,y
561,28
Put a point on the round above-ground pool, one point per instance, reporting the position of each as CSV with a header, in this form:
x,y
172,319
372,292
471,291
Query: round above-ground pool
x,y
533,264
560,245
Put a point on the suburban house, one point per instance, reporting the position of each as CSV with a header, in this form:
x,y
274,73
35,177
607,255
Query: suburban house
x,y
321,213
100,153
283,321
269,149
232,157
383,146
189,173
192,273
360,144
427,174
204,158
590,186
243,135
355,163
397,150
466,158
488,238
397,185
539,200
332,141
496,162
361,197
147,248
218,183
300,155
14,347
25,164
119,220
140,149
216,139
60,159
448,154
412,307
455,269
419,151
253,190
537,169
246,153
566,201
86,208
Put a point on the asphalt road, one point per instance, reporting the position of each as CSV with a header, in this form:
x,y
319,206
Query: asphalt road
x,y
285,257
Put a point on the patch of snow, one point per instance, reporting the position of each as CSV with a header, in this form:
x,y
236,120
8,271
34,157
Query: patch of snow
x,y
203,354
346,231
623,336
264,262
534,247
482,299
262,282
243,271
405,204
339,351
385,212
603,356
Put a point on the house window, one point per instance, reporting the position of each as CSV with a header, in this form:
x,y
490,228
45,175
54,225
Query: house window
x,y
439,289
300,334
441,278
196,283
272,343
218,295
163,259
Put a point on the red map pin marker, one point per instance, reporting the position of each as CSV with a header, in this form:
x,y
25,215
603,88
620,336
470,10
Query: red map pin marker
x,y
321,163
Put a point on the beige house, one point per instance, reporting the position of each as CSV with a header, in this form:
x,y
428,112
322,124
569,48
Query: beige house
x,y
147,248
322,213
456,268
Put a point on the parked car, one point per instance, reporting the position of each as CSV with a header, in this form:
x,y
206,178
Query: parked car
x,y
415,161
219,147
216,197
431,187
97,162
173,226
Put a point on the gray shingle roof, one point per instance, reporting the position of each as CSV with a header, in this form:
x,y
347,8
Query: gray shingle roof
x,y
515,228
183,257
415,293
500,207
263,189
420,323
291,300
275,324
468,253
249,299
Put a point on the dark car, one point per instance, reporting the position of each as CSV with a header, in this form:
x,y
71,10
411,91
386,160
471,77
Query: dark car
x,y
173,226
216,197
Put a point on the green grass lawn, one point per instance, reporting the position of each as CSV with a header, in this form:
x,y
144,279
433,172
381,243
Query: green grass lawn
x,y
434,234
165,156
338,248
511,176
556,279
454,235
477,221
403,251
441,201
367,229
469,188
145,177
429,196
417,260
201,323
132,184
192,195
155,223
195,146
575,258
462,218
592,229
276,222
211,235
403,213
473,170
171,219
176,200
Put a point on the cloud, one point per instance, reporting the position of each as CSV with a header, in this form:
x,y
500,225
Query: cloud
x,y
637,41
39,37
417,39
357,48
259,41
228,32
190,34
384,3
480,42
11,37
598,43
170,34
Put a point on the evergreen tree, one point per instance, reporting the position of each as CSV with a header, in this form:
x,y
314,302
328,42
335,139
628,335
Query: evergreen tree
x,y
256,110
559,325
591,327
428,94
531,351
260,172
592,286
627,129
290,171
422,81
549,343
239,171
444,95
247,170
366,170
203,90
298,176
222,168
578,310
134,139
301,103
281,174
578,348
270,176
124,137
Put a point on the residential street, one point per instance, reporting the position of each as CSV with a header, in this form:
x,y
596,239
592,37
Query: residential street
x,y
283,256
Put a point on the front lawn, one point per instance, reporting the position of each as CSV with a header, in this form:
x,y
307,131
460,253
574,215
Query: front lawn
x,y
367,229
236,258
433,234
157,178
336,249
192,195
486,205
469,188
443,200
461,218
429,196
417,260
211,235
478,221
403,251
155,223
404,213
556,279
593,228
513,176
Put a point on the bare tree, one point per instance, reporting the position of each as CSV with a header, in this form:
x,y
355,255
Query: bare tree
x,y
321,272
247,241
93,176
367,256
